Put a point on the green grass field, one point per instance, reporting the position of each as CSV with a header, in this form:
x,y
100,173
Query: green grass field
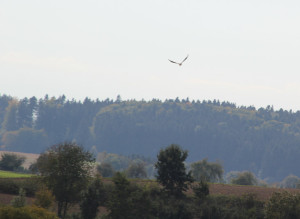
x,y
8,174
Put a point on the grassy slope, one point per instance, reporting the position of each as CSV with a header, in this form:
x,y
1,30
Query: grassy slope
x,y
8,174
30,158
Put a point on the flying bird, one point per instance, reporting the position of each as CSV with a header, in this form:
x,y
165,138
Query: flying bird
x,y
179,63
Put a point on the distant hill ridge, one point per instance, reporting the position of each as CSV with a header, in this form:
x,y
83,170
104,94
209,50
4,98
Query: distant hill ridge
x,y
30,158
264,141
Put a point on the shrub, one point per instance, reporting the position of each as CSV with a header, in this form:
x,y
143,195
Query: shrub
x,y
137,170
44,198
11,162
9,186
27,212
201,190
20,200
208,171
106,170
230,207
12,186
245,178
290,181
92,198
283,205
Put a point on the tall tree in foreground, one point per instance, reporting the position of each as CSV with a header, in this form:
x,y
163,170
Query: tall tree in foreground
x,y
171,171
92,198
120,203
66,169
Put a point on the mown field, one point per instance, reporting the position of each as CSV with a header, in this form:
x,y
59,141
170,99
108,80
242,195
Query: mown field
x,y
8,174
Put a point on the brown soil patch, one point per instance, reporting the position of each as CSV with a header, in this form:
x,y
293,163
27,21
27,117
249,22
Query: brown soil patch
x,y
262,193
5,199
30,158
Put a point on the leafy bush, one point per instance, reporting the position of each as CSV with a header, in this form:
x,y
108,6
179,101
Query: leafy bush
x,y
208,171
171,207
92,198
20,200
201,190
44,198
9,186
106,170
11,162
12,186
137,170
27,212
219,207
283,205
290,181
245,178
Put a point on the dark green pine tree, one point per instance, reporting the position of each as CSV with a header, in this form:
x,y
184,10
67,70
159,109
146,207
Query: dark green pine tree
x,y
171,171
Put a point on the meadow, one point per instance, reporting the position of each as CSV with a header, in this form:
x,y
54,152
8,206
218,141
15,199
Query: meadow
x,y
8,174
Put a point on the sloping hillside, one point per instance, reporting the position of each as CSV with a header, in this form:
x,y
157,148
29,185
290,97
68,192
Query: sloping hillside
x,y
30,158
264,141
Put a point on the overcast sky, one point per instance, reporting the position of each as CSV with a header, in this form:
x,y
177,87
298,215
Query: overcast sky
x,y
246,52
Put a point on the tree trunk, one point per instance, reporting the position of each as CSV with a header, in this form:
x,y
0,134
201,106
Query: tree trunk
x,y
65,207
59,209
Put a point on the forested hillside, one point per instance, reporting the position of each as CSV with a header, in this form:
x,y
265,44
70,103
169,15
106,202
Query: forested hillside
x,y
264,141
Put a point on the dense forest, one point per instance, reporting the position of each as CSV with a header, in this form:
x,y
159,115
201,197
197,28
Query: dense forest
x,y
264,141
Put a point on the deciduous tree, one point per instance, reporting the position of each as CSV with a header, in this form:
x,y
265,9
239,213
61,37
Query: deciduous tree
x,y
92,199
11,162
66,169
171,171
106,169
137,170
245,178
207,171
283,205
120,203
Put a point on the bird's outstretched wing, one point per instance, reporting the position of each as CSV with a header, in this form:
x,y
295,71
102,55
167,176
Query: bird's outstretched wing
x,y
185,59
173,61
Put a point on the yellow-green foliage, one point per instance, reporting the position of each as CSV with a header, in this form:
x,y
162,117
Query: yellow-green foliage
x,y
283,205
8,174
28,212
44,198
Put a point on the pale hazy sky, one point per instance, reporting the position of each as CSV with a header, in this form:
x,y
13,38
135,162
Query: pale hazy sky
x,y
246,52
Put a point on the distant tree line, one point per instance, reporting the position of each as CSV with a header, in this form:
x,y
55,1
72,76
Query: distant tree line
x,y
263,141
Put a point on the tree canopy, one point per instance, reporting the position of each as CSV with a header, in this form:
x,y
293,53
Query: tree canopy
x,y
11,162
171,171
207,171
243,138
66,170
244,178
